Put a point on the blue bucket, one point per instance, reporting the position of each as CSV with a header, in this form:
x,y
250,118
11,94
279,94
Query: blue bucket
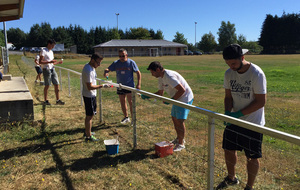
x,y
112,146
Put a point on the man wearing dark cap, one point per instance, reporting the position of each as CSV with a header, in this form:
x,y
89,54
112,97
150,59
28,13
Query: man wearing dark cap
x,y
245,96
89,93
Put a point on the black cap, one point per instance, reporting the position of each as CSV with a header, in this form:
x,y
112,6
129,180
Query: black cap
x,y
233,51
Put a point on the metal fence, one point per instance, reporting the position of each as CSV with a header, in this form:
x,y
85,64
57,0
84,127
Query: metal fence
x,y
211,115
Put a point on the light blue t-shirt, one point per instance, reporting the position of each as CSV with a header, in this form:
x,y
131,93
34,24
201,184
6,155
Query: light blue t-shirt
x,y
124,71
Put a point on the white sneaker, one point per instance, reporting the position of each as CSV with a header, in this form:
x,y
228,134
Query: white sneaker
x,y
125,121
179,147
175,141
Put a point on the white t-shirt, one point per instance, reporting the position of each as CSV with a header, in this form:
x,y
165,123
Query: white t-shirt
x,y
48,56
89,75
170,80
37,58
243,87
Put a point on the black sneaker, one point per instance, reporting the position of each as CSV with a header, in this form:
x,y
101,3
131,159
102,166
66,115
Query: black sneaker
x,y
248,188
47,103
227,182
59,102
91,138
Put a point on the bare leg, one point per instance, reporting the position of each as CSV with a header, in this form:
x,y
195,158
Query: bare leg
x,y
56,91
179,128
231,160
88,125
129,100
252,168
46,92
123,104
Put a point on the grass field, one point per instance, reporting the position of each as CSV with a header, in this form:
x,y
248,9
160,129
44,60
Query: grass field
x,y
50,152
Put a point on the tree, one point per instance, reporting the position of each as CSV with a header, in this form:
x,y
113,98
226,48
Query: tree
x,y
207,43
226,34
281,34
241,39
17,37
2,40
139,33
158,35
46,34
253,47
179,38
61,35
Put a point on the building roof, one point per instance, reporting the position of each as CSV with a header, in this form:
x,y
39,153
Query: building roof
x,y
140,43
11,10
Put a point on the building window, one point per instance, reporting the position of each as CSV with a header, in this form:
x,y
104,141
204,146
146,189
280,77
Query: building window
x,y
116,49
110,50
169,49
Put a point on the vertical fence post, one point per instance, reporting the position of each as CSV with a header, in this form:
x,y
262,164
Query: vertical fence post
x,y
211,145
100,104
60,79
69,84
81,90
134,119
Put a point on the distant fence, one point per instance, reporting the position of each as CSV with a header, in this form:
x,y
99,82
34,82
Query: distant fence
x,y
211,121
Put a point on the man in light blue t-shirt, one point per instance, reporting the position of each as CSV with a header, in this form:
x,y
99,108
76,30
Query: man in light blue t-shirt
x,y
125,68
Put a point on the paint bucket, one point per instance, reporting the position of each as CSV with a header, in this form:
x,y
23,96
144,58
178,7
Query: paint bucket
x,y
112,146
164,148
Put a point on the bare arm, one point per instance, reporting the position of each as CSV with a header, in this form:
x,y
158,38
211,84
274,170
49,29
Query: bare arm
x,y
159,92
139,79
179,93
106,71
228,100
258,102
90,86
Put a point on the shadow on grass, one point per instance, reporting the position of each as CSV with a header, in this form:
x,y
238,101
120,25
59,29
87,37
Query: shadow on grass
x,y
101,159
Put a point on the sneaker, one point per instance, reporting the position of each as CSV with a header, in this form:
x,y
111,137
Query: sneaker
x,y
227,182
248,188
125,120
35,81
91,138
59,102
179,147
92,133
47,103
175,141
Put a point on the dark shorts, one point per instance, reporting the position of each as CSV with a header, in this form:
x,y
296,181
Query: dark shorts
x,y
90,105
123,91
50,76
239,138
38,70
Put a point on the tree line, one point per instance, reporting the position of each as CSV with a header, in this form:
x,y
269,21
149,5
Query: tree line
x,y
281,35
278,35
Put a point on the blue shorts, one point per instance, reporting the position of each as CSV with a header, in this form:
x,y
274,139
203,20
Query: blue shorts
x,y
38,70
90,105
180,112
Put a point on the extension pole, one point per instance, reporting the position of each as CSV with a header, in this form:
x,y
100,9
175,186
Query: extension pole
x,y
211,146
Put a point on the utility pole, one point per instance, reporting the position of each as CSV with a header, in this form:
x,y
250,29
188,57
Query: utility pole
x,y
195,33
117,21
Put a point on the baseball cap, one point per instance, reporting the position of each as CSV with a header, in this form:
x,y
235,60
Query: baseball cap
x,y
234,51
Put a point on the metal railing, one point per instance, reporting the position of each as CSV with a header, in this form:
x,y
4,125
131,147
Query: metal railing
x,y
211,121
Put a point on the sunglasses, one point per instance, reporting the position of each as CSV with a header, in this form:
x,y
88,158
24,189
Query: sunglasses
x,y
122,56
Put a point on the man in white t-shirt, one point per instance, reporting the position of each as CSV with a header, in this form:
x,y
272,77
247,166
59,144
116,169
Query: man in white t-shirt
x,y
178,89
47,62
89,93
245,96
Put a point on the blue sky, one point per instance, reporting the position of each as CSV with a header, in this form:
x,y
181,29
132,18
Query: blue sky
x,y
169,16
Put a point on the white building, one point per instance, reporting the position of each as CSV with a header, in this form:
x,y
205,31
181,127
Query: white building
x,y
140,48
